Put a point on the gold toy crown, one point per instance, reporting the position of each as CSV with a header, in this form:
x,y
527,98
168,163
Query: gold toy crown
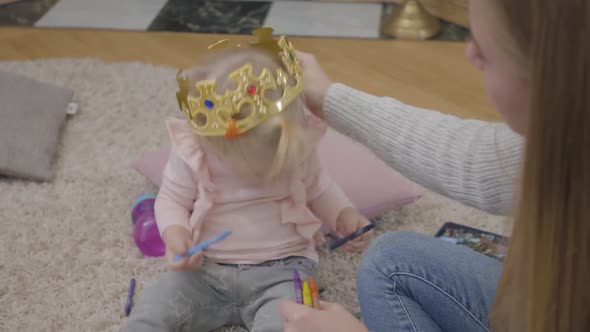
x,y
211,114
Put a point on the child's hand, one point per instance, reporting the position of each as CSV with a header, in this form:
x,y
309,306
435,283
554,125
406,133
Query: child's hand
x,y
319,239
348,222
178,241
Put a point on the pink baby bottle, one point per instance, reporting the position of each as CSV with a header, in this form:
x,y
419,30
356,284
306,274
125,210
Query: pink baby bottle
x,y
145,230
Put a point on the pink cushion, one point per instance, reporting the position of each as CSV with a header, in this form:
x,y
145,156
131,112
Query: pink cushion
x,y
371,185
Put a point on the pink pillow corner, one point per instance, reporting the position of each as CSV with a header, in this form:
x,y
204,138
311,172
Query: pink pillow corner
x,y
376,190
151,164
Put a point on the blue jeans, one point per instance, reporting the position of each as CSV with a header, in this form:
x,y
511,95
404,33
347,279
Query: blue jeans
x,y
412,282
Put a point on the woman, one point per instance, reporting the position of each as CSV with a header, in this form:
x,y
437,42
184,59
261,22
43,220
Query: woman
x,y
535,55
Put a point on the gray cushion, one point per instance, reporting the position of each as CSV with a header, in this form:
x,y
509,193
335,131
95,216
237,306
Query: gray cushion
x,y
31,116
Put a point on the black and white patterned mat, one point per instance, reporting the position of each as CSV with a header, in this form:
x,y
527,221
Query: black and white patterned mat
x,y
296,17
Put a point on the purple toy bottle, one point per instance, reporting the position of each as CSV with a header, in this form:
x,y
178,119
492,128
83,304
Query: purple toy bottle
x,y
145,230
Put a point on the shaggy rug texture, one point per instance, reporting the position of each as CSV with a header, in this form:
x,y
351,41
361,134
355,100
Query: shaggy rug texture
x,y
67,252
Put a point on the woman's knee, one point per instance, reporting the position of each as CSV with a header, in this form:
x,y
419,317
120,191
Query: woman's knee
x,y
393,244
389,253
397,250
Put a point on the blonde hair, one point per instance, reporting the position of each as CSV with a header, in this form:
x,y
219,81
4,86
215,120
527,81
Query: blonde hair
x,y
272,148
544,283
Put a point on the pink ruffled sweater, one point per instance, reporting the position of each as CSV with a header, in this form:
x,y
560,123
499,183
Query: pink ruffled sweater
x,y
200,192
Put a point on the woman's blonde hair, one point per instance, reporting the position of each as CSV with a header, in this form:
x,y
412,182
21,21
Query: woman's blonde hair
x,y
544,283
273,147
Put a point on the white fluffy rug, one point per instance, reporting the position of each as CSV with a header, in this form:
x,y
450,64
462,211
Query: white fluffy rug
x,y
66,248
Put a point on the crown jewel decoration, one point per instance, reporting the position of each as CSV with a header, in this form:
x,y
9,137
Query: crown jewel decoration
x,y
211,114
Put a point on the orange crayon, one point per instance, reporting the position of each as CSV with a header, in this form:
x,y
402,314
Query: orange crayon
x,y
315,294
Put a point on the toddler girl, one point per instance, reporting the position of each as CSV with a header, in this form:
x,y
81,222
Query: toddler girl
x,y
244,162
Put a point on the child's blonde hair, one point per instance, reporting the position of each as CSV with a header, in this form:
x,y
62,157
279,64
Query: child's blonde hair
x,y
275,146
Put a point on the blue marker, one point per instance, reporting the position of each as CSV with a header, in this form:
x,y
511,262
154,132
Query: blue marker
x,y
130,292
203,245
340,242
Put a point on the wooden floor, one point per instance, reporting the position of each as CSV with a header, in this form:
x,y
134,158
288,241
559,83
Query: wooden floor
x,y
427,74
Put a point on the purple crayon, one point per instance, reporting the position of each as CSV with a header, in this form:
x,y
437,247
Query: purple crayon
x,y
298,288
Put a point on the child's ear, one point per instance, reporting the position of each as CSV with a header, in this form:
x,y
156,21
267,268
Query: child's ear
x,y
273,95
194,74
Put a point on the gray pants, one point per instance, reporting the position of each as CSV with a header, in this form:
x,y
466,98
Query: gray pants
x,y
218,295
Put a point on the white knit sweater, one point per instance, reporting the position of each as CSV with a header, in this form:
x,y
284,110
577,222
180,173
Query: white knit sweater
x,y
472,161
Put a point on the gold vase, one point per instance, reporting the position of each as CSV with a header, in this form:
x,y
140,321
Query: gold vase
x,y
411,21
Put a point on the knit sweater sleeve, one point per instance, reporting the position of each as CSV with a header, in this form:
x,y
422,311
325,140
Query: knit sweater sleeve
x,y
474,162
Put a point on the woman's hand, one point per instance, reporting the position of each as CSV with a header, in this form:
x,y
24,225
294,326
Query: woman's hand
x,y
330,317
178,241
317,83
